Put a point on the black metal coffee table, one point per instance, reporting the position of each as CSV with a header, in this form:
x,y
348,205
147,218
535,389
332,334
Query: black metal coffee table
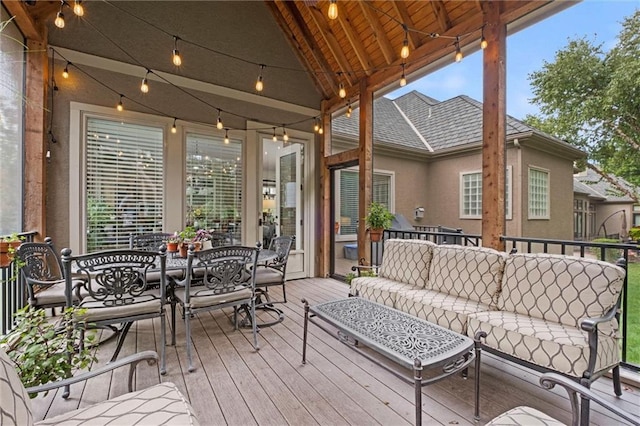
x,y
409,341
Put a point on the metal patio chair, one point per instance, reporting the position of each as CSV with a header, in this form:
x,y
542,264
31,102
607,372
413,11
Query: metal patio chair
x,y
272,273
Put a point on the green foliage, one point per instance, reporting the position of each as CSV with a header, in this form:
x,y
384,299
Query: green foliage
x,y
633,314
45,351
13,238
99,216
610,254
591,97
634,233
363,273
187,234
378,217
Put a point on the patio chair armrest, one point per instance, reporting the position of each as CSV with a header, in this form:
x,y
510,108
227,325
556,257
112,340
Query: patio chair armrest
x,y
575,390
591,324
132,360
360,268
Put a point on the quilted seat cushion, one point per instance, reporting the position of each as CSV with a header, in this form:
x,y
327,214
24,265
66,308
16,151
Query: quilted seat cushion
x,y
439,308
524,416
559,288
15,407
378,289
407,261
548,344
98,310
470,272
161,404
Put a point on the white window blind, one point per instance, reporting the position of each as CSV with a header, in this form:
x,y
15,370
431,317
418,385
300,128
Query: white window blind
x,y
214,184
124,186
348,203
538,194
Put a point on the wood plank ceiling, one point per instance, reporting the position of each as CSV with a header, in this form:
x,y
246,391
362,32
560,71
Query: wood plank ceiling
x,y
364,41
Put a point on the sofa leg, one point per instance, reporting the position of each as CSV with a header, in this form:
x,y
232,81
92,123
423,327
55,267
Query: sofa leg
x,y
478,348
617,387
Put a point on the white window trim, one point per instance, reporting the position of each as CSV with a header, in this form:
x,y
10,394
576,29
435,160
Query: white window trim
x,y
461,195
392,196
508,199
547,216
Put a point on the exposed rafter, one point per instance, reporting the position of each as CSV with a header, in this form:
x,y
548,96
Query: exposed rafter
x,y
379,33
356,44
441,15
405,18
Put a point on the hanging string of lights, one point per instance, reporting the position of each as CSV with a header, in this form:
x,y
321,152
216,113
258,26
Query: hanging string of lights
x,y
259,86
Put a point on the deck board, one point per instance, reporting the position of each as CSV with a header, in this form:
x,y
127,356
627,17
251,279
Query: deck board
x,y
236,385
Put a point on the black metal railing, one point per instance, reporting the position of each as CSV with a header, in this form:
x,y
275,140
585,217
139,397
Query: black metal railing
x,y
617,253
13,292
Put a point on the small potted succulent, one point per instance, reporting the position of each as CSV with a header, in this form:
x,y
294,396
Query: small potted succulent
x,y
8,247
172,242
378,219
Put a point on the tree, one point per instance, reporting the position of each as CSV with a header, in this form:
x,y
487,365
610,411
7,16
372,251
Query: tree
x,y
591,98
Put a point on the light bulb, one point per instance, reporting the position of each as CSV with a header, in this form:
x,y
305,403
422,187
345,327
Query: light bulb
x,y
403,81
483,43
316,127
320,131
59,22
333,10
144,87
404,52
219,124
177,60
275,138
259,84
342,92
458,56
120,107
226,137
174,129
78,9
65,72
285,137
349,111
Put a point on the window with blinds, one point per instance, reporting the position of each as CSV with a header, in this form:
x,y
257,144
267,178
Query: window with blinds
x,y
348,202
124,182
214,184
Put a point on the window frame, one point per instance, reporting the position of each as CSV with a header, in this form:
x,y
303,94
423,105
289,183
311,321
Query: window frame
x,y
547,196
508,194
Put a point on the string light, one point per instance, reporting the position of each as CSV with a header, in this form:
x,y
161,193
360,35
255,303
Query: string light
x,y
316,125
403,78
404,52
458,56
483,41
259,84
219,124
174,129
177,60
275,138
333,10
349,110
341,91
144,87
65,72
59,22
226,136
120,106
285,137
77,8
320,131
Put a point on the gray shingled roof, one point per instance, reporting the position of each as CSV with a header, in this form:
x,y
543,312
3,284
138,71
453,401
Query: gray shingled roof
x,y
441,125
602,187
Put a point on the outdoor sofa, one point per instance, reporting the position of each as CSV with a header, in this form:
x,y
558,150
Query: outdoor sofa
x,y
550,312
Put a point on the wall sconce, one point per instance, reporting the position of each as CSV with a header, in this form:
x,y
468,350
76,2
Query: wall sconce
x,y
418,213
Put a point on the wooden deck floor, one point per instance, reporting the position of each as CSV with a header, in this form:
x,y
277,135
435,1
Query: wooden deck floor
x,y
235,385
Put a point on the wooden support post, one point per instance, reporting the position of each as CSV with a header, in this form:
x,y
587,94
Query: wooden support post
x,y
366,167
326,227
494,127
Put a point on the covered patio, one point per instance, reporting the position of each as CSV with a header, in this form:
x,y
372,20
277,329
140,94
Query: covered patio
x,y
235,385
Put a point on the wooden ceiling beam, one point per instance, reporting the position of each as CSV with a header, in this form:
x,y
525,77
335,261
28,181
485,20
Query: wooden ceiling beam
x,y
30,27
312,46
405,18
356,44
333,44
44,10
378,32
441,15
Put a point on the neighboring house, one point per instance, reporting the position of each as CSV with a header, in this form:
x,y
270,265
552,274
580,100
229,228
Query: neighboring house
x,y
601,209
427,155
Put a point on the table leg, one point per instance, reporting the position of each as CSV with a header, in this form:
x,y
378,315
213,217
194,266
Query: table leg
x,y
417,377
304,333
478,349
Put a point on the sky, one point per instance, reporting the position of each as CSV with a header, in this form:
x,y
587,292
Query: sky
x,y
527,51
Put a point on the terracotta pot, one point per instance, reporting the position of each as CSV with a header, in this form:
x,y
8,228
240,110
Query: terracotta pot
x,y
7,251
375,234
172,247
184,247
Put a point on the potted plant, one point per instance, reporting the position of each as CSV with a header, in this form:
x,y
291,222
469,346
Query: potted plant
x,y
8,247
377,220
45,351
172,242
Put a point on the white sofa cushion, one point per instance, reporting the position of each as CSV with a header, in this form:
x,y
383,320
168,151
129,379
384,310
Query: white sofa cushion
x,y
546,343
559,288
407,261
524,416
473,273
378,289
439,308
15,406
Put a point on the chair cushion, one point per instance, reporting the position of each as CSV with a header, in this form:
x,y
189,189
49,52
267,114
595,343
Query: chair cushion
x,y
15,407
53,295
439,308
473,273
549,344
161,404
377,289
265,275
147,303
202,297
559,288
524,416
407,261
